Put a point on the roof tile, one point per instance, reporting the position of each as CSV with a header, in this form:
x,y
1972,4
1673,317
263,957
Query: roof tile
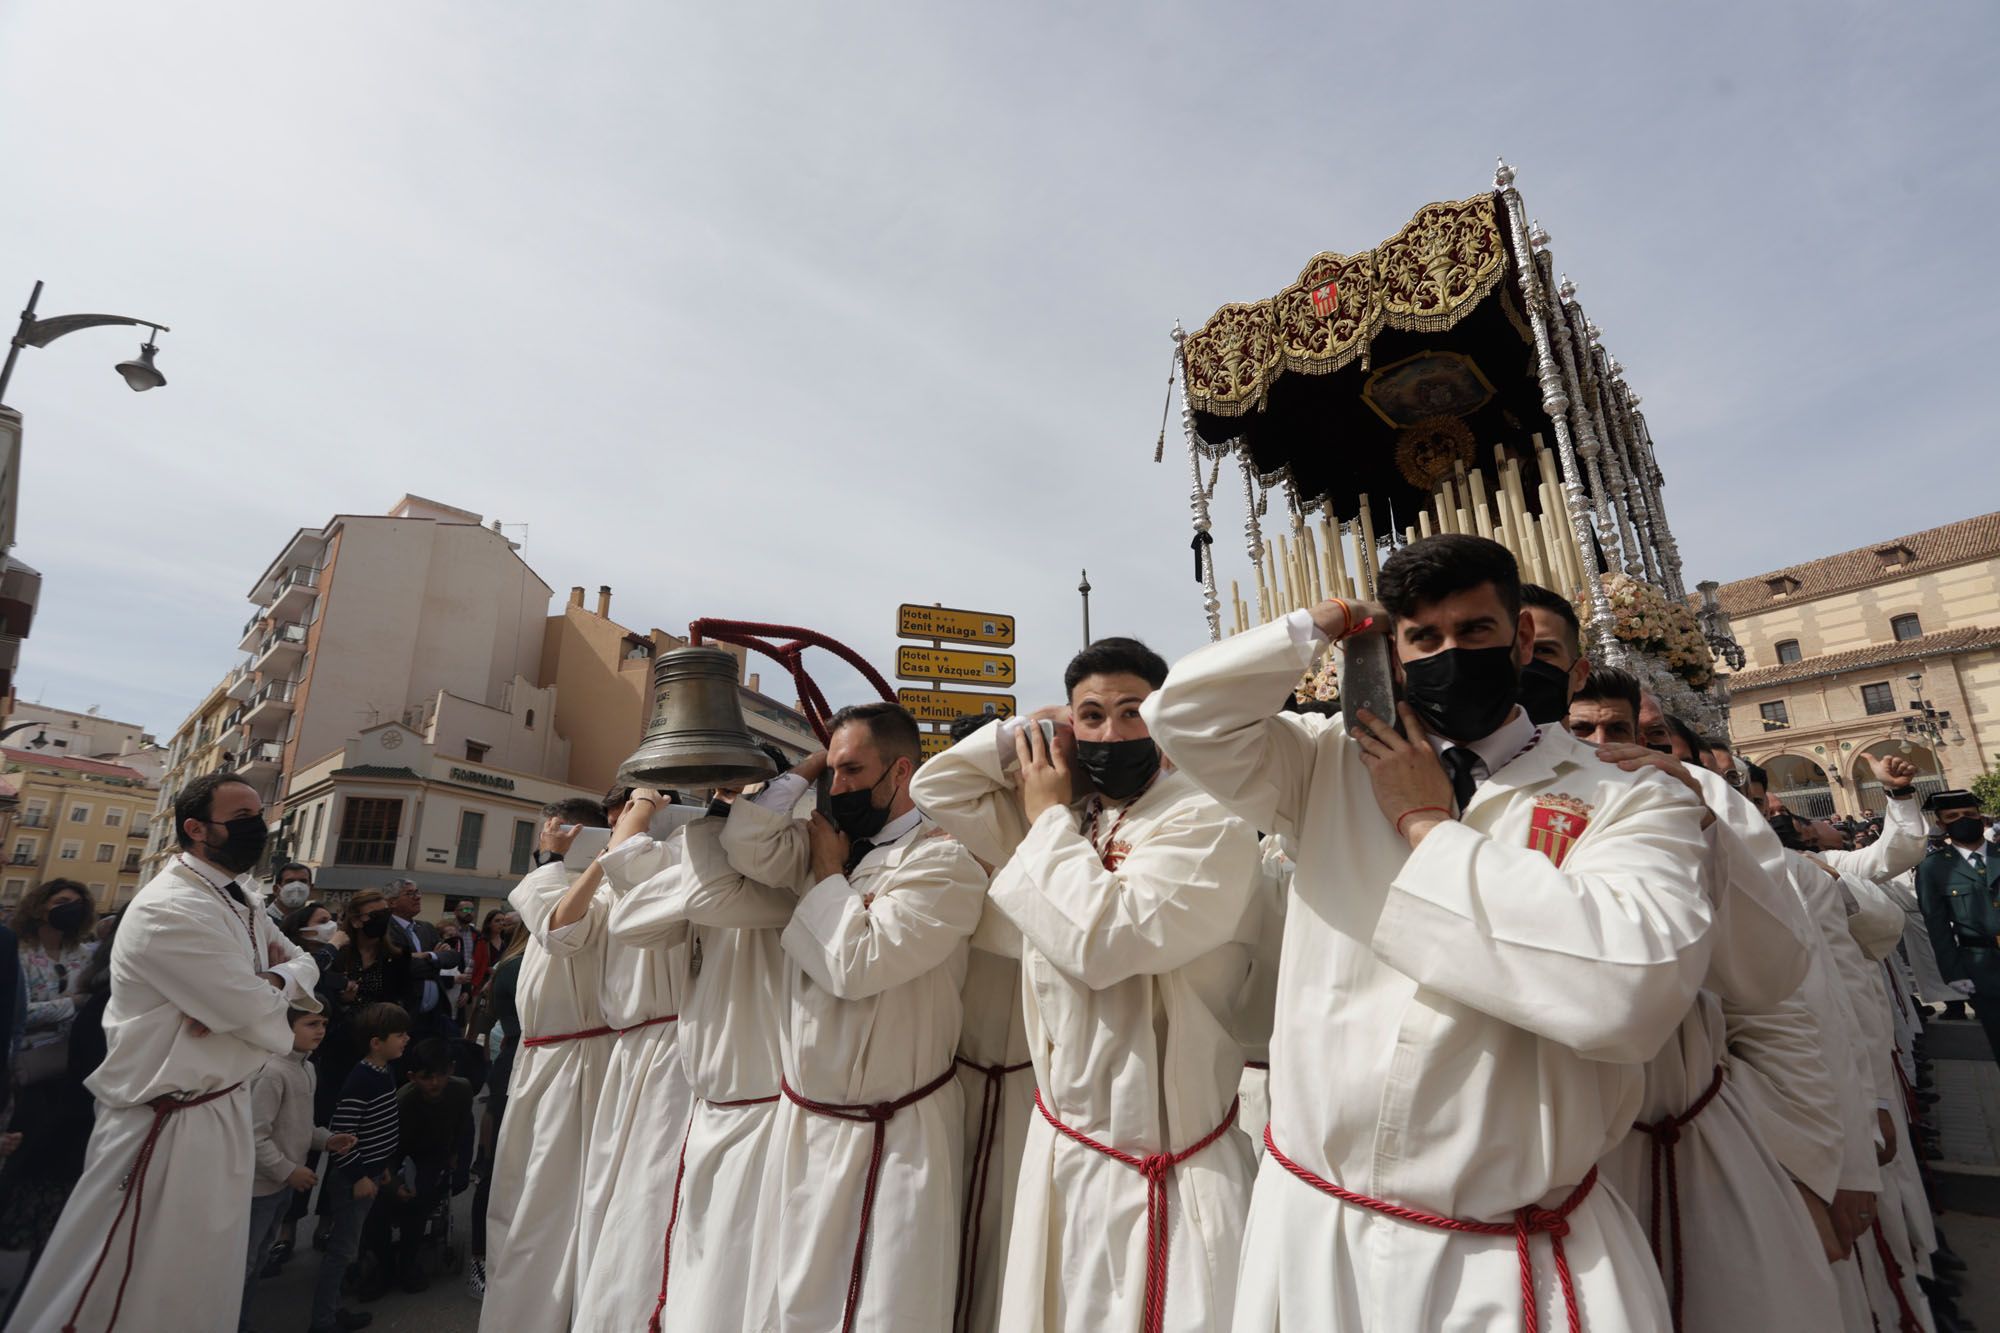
x,y
1931,549
1880,654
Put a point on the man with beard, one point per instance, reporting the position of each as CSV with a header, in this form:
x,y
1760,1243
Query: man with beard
x,y
1492,930
200,984
1128,887
860,1213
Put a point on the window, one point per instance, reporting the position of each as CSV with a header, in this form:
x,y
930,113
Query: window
x,y
524,848
1773,713
319,827
368,828
15,888
79,814
71,850
1906,627
24,853
114,816
37,815
531,719
1878,698
1788,651
471,826
105,851
475,752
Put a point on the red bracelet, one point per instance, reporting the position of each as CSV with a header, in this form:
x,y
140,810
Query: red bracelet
x,y
1346,618
1418,810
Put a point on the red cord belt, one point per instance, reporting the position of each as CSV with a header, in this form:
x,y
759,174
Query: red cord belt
x,y
1529,1221
1892,1273
133,1187
597,1032
992,1097
1665,1133
1154,1168
674,1216
877,1114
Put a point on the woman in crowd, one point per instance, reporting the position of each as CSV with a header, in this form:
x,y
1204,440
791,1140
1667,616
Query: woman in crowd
x,y
56,924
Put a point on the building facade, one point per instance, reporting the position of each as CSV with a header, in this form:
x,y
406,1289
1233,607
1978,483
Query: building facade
x,y
80,819
194,749
20,586
1888,648
88,735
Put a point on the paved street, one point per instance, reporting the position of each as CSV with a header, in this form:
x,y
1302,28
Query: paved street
x,y
282,1304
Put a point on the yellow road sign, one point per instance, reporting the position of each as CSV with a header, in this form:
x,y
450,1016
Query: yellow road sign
x,y
944,705
934,742
943,622
954,664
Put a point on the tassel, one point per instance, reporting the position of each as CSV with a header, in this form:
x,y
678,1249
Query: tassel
x,y
1201,539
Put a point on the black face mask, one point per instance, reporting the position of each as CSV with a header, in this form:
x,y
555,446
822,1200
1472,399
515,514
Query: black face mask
x,y
1787,829
1464,693
375,927
855,812
1967,829
1119,769
245,844
66,918
1544,692
718,808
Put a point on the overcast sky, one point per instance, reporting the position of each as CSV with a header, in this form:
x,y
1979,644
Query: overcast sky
x,y
796,312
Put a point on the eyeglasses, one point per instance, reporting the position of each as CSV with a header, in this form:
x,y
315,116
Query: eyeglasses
x,y
1733,778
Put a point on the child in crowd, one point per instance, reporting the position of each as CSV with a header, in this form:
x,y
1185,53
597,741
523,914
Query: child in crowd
x,y
435,1128
281,1110
367,1112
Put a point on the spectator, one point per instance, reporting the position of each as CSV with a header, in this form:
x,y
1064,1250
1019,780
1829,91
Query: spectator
x,y
434,1118
314,929
292,889
487,947
281,1109
55,924
366,1110
429,1017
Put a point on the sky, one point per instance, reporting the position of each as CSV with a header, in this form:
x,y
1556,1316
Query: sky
x,y
797,312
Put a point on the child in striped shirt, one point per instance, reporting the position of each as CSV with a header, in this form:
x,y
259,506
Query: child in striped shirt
x,y
367,1110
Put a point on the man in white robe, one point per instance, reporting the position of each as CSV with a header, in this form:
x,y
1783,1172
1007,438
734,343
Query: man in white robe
x,y
642,1105
1737,1248
720,933
1475,967
861,1209
154,1233
536,1205
1129,887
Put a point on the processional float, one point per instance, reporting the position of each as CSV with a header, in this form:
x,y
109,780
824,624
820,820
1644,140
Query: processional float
x,y
1445,381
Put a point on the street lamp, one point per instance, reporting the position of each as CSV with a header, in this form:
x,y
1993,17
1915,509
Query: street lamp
x,y
141,374
1084,588
1926,723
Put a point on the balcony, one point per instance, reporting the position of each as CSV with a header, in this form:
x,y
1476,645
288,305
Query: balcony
x,y
233,732
34,820
271,703
279,649
240,686
262,758
21,859
296,590
253,632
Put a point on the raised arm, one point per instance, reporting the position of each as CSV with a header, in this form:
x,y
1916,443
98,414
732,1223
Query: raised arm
x,y
1217,717
535,898
969,791
1903,834
857,945
1180,893
763,841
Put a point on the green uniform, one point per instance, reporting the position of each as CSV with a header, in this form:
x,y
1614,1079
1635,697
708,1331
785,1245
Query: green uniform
x,y
1962,911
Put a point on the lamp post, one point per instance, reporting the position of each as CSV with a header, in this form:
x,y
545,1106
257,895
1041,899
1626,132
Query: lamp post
x,y
141,374
1927,723
1084,588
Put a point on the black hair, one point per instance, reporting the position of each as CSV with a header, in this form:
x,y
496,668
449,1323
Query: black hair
x,y
295,920
1714,743
1609,684
430,1056
776,756
967,723
889,725
379,1020
1689,737
1535,595
1755,776
579,810
196,800
1431,569
1108,656
288,867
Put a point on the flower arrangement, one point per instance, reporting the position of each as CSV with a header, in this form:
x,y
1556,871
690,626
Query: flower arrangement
x,y
1648,620
1321,682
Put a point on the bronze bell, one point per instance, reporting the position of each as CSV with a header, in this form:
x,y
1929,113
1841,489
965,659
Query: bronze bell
x,y
697,737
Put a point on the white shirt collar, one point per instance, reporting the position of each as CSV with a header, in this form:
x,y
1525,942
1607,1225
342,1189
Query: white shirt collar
x,y
1969,852
215,876
1498,748
896,828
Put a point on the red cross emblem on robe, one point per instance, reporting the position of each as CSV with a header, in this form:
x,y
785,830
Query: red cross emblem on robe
x,y
1557,822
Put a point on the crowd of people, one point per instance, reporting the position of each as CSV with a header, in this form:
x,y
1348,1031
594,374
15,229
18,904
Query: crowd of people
x,y
1177,1005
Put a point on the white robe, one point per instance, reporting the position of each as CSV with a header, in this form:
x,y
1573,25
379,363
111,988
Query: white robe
x,y
720,935
877,959
1459,1028
1129,977
1264,925
999,1106
536,1203
642,1107
182,952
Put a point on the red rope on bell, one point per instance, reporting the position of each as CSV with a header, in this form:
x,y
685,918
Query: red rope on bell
x,y
752,634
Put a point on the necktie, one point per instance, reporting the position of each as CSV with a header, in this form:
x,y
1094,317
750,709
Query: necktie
x,y
236,893
1458,761
855,851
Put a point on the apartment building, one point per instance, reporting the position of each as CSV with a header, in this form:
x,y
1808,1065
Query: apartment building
x,y
194,749
1890,647
88,735
76,818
